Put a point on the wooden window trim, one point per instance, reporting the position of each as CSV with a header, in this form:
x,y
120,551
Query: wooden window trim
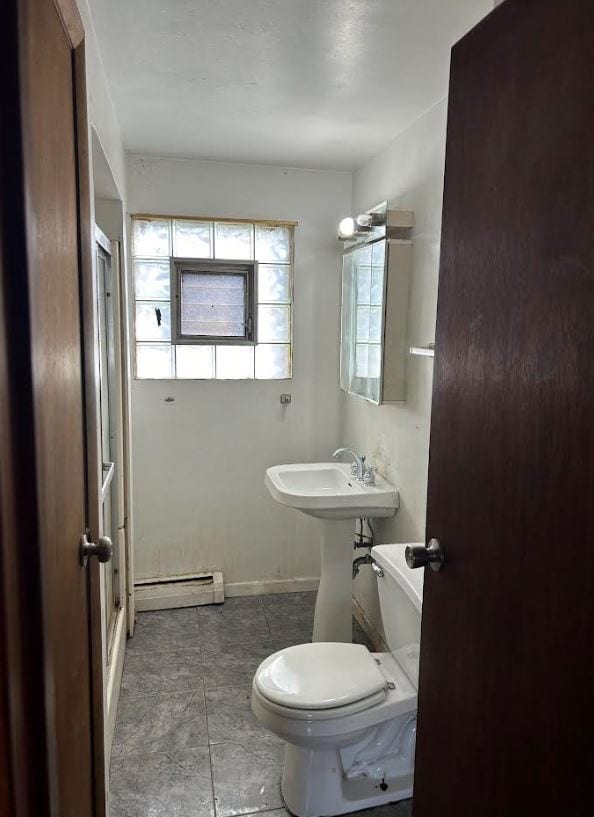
x,y
264,222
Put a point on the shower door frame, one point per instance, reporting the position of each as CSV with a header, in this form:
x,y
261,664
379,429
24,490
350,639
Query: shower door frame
x,y
108,323
118,621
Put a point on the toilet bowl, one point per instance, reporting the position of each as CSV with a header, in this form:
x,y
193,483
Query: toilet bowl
x,y
348,716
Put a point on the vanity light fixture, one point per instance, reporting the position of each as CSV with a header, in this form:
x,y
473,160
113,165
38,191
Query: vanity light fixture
x,y
350,227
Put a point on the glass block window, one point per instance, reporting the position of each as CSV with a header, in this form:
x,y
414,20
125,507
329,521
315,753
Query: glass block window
x,y
231,278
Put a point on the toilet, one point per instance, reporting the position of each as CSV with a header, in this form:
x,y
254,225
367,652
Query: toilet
x,y
348,716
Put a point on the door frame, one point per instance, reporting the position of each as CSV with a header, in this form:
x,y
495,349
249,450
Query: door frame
x,y
94,459
27,764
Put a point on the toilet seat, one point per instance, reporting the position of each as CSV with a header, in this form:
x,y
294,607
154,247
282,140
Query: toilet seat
x,y
321,680
312,715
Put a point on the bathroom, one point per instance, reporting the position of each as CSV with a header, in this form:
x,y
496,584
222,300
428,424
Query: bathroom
x,y
202,440
273,217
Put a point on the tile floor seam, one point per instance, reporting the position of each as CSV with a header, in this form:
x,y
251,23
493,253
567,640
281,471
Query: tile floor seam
x,y
238,740
149,754
212,788
164,751
210,645
140,651
164,692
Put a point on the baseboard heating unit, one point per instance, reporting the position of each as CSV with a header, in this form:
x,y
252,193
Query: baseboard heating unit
x,y
179,591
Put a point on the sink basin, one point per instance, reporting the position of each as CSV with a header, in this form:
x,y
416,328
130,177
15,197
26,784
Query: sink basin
x,y
327,490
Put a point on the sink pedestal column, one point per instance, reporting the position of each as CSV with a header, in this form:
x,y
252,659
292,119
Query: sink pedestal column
x,y
334,605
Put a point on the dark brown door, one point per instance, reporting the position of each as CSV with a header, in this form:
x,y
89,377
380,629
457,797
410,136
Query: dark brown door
x,y
45,275
506,722
58,393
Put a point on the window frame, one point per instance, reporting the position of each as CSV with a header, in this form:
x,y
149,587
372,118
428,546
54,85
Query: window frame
x,y
248,268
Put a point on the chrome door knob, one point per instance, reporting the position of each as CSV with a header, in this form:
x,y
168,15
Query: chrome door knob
x,y
102,550
433,555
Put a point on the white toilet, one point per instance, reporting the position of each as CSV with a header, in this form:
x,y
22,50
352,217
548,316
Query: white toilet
x,y
348,716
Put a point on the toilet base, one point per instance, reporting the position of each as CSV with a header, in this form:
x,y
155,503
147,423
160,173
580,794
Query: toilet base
x,y
315,784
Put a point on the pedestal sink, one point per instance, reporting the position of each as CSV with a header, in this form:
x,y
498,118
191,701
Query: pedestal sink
x,y
327,490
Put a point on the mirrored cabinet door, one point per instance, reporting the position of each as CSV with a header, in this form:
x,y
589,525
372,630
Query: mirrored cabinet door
x,y
375,280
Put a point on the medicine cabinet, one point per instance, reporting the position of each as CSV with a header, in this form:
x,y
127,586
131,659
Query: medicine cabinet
x,y
376,274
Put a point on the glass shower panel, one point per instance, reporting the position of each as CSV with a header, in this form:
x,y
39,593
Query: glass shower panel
x,y
109,492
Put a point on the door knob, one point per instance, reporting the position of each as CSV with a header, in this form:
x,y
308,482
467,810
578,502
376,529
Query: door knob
x,y
102,549
419,556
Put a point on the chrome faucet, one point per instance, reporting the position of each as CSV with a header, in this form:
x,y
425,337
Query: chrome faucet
x,y
358,469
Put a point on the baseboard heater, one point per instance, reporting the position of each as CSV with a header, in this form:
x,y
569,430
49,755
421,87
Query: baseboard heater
x,y
179,591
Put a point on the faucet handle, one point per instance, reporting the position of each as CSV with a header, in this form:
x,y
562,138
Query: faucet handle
x,y
354,466
369,475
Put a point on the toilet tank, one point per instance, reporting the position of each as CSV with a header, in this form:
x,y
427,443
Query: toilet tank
x,y
401,598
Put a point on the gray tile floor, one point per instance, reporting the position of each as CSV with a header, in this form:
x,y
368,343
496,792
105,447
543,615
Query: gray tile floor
x,y
186,741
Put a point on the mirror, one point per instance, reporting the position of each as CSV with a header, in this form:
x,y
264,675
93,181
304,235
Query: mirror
x,y
375,291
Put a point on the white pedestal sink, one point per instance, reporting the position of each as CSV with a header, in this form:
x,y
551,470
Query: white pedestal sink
x,y
328,491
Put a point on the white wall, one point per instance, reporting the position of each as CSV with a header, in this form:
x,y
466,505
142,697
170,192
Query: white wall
x,y
199,497
101,110
409,174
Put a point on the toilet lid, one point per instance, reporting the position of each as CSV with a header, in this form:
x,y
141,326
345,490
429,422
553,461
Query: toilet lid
x,y
319,676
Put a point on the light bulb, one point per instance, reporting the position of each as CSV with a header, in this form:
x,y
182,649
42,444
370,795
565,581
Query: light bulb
x,y
347,228
364,220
